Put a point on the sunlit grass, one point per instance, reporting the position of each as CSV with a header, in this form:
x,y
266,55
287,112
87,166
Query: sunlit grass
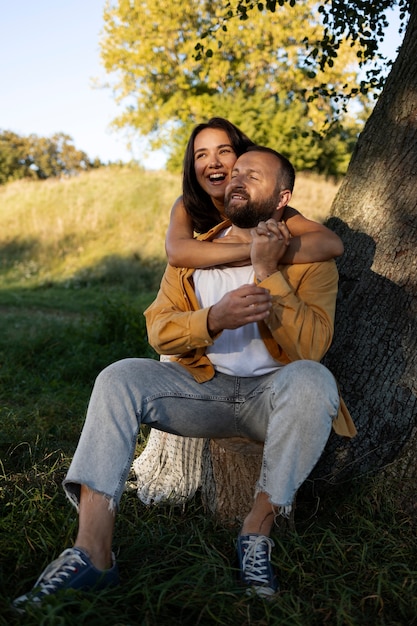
x,y
102,222
59,229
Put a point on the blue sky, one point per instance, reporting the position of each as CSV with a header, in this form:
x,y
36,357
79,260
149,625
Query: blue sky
x,y
49,51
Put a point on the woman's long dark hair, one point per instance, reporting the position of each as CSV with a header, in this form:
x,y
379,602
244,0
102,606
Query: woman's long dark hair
x,y
197,202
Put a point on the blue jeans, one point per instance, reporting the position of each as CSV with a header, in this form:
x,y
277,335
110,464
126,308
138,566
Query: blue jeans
x,y
290,410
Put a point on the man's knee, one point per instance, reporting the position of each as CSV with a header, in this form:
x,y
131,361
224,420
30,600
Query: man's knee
x,y
310,384
119,374
311,372
110,375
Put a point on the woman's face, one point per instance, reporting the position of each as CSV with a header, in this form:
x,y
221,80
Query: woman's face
x,y
214,158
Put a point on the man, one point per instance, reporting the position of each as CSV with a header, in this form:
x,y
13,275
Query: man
x,y
246,342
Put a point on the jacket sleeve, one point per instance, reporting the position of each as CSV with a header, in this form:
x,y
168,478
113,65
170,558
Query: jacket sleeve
x,y
301,321
175,323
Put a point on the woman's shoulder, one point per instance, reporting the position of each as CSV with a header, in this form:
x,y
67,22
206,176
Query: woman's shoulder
x,y
178,205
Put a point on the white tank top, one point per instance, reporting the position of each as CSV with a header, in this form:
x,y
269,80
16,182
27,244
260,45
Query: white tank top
x,y
238,352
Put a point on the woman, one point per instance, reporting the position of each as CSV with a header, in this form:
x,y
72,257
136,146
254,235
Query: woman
x,y
170,466
210,155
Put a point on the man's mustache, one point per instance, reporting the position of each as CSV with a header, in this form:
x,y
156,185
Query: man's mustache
x,y
238,191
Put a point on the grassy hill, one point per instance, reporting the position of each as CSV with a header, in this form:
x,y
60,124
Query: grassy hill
x,y
101,225
97,226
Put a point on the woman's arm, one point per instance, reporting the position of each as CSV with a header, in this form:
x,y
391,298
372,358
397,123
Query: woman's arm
x,y
310,241
185,251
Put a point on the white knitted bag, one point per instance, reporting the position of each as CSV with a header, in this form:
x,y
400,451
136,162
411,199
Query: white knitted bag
x,y
169,468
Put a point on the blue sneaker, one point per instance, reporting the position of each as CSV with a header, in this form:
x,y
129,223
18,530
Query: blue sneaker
x,y
71,570
256,572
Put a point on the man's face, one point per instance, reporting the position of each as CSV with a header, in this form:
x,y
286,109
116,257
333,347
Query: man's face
x,y
251,195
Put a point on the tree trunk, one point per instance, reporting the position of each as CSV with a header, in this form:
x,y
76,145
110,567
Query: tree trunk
x,y
231,469
374,353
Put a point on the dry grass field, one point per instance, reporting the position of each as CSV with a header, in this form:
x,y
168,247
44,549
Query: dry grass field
x,y
53,230
313,195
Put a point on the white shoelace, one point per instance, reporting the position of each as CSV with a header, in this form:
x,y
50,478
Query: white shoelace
x,y
256,559
58,570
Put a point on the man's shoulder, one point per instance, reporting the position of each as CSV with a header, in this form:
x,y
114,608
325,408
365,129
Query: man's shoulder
x,y
297,269
304,272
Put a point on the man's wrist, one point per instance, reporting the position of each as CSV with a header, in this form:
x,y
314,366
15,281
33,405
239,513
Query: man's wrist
x,y
211,323
264,274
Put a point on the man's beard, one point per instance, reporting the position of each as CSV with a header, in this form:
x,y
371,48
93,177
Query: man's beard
x,y
250,214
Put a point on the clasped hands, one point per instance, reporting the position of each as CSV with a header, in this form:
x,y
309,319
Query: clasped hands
x,y
251,303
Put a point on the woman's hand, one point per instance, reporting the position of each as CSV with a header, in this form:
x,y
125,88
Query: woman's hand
x,y
269,243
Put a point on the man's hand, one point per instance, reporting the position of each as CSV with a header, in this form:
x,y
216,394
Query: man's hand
x,y
248,303
269,242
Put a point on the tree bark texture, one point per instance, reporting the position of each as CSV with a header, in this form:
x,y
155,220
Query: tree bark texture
x,y
374,353
231,468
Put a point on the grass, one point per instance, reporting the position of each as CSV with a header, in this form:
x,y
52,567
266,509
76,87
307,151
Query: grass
x,y
349,561
82,229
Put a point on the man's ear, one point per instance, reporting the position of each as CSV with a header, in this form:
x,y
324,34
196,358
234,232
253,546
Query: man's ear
x,y
284,198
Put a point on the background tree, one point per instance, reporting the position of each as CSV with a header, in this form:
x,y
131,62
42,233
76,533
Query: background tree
x,y
257,77
40,157
13,150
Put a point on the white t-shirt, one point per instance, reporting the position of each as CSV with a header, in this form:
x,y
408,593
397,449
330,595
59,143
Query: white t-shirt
x,y
238,352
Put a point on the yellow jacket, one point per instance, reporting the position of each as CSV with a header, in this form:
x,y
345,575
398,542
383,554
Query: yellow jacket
x,y
300,325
